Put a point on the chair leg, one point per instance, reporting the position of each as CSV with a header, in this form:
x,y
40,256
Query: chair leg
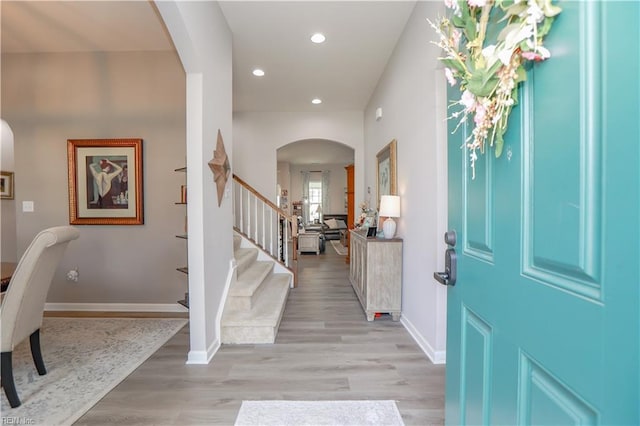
x,y
36,353
6,371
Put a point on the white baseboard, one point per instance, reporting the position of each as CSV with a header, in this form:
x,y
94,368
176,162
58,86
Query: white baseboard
x,y
116,307
203,357
436,357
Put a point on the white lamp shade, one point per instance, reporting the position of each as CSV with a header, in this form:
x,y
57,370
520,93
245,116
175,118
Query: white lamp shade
x,y
390,206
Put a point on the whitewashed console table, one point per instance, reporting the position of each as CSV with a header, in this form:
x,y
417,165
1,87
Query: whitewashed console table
x,y
375,272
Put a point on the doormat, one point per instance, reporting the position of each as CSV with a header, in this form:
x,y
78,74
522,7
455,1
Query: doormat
x,y
316,413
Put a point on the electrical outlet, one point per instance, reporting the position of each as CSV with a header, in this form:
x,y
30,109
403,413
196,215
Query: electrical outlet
x,y
73,275
28,206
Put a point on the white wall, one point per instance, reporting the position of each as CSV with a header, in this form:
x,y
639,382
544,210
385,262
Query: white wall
x,y
203,41
49,98
411,93
257,136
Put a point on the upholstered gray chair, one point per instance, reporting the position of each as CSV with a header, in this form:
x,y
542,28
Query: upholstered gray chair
x,y
23,303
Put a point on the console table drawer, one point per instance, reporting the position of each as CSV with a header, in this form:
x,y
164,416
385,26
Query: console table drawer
x,y
309,241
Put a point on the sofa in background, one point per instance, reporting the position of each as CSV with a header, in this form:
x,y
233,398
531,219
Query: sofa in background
x,y
331,227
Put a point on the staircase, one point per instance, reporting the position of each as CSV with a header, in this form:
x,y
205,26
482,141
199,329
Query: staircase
x,y
256,300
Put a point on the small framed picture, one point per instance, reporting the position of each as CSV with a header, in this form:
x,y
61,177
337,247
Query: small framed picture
x,y
6,185
371,232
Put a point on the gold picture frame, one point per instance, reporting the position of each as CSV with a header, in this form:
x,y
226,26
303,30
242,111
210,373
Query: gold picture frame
x,y
387,183
6,185
105,181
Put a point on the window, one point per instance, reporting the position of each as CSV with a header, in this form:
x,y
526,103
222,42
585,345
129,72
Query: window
x,y
315,200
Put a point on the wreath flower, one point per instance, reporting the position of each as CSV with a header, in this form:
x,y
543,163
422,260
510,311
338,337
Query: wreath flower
x,y
488,74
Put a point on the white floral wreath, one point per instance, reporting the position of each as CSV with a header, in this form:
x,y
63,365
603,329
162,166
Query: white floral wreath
x,y
489,74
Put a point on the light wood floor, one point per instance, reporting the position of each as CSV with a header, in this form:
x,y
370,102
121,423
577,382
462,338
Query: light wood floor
x,y
325,350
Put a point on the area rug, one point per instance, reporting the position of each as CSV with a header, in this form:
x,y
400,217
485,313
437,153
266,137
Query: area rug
x,y
338,247
317,413
85,359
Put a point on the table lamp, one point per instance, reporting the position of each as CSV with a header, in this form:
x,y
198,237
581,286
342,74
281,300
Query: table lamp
x,y
389,208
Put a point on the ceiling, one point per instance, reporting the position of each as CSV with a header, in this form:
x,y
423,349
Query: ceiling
x,y
271,35
343,71
81,26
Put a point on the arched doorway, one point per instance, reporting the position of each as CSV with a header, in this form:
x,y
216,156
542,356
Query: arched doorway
x,y
312,172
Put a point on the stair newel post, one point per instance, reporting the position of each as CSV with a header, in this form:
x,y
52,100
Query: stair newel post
x,y
259,217
285,240
240,213
255,218
250,200
245,211
268,226
264,226
273,227
259,224
250,217
243,228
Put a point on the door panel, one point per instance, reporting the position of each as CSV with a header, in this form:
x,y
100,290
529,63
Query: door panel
x,y
544,321
476,368
546,400
479,225
561,196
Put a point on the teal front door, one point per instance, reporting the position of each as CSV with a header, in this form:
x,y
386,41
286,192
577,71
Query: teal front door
x,y
543,321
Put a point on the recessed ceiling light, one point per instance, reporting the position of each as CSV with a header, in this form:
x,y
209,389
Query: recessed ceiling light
x,y
258,72
316,101
318,38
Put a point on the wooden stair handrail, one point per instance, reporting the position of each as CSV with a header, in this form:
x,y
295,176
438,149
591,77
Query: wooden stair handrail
x,y
292,219
261,197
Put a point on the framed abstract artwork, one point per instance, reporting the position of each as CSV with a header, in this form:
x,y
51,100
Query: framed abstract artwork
x,y
105,181
386,171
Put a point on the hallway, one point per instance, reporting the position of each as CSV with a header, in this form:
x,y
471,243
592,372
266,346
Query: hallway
x,y
325,350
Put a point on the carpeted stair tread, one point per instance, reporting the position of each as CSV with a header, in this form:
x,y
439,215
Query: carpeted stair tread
x,y
269,307
256,299
251,279
248,287
244,258
260,324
